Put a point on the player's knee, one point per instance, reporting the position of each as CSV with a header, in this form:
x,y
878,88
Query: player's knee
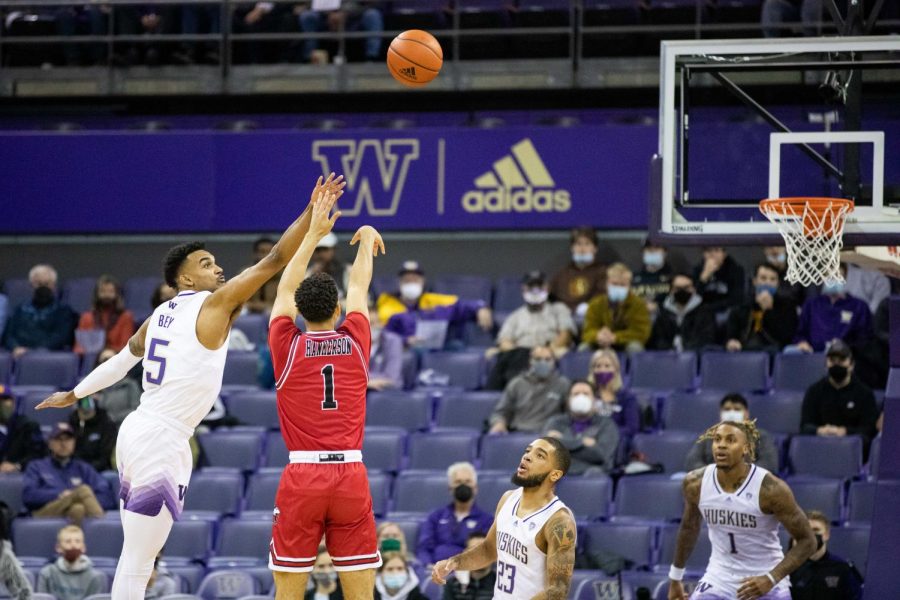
x,y
289,585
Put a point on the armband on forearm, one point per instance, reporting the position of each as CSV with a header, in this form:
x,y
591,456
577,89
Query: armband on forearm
x,y
107,374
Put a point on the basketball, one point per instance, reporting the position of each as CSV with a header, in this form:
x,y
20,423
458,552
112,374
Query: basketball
x,y
414,58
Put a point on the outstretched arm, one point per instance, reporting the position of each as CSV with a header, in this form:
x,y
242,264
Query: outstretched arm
x,y
476,557
560,534
776,498
320,224
688,532
370,243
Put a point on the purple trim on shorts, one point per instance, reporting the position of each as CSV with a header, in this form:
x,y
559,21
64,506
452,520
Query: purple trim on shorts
x,y
149,499
775,594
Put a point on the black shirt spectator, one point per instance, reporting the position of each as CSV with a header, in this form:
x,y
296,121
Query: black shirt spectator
x,y
825,576
767,321
20,438
719,280
777,257
43,321
95,434
683,322
653,281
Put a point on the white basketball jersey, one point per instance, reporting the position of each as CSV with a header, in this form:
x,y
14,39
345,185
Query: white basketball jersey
x,y
182,378
744,539
521,565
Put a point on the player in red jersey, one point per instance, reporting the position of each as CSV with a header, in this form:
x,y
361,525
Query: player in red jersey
x,y
321,379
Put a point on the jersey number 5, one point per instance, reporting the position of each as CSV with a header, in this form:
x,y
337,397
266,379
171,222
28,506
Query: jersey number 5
x,y
154,356
329,403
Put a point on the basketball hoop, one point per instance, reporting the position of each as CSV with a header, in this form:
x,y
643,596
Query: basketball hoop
x,y
813,230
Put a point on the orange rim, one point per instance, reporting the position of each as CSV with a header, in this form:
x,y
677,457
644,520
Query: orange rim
x,y
818,205
824,217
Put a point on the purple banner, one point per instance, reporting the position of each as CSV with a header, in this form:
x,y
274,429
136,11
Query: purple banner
x,y
431,179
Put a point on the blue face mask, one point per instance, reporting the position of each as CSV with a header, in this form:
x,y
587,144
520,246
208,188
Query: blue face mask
x,y
582,258
394,581
771,289
653,259
616,293
834,289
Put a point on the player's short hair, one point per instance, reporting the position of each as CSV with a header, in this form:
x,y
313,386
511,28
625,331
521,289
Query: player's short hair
x,y
736,398
68,529
561,454
175,258
818,515
767,267
748,427
317,298
462,465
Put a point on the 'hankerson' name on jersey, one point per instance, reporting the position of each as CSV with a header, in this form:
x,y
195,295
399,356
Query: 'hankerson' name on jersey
x,y
511,545
334,347
731,518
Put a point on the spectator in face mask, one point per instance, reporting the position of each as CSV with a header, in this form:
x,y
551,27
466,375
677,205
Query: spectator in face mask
x,y
72,576
590,437
471,585
537,323
324,578
532,397
653,281
776,256
619,318
719,280
396,580
95,434
583,278
765,322
825,576
402,310
108,314
614,400
20,437
834,314
683,323
392,539
42,322
445,531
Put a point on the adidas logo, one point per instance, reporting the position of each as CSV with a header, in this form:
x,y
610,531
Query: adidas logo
x,y
519,182
409,72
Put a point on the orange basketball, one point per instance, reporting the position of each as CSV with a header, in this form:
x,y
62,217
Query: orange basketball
x,y
415,58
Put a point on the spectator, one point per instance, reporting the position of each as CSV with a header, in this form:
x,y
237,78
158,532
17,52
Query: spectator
x,y
12,575
719,280
43,322
825,576
532,397
471,585
324,260
767,321
775,13
615,401
619,318
162,583
654,281
445,531
538,322
4,313
62,486
261,302
108,313
386,357
403,310
21,439
869,286
72,576
583,278
200,18
777,257
396,580
839,404
147,20
162,293
834,314
95,434
121,398
683,322
324,578
352,16
392,539
258,18
734,407
590,437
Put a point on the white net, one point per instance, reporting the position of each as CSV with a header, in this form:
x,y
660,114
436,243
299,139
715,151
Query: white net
x,y
813,236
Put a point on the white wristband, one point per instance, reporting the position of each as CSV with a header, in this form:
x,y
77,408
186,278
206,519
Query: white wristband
x,y
772,579
676,574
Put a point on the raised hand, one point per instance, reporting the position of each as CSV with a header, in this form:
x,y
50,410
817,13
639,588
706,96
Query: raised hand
x,y
322,220
58,400
369,237
332,184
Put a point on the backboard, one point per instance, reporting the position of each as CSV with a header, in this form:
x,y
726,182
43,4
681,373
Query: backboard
x,y
745,120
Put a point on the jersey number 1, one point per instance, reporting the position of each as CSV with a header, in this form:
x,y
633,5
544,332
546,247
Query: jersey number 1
x,y
329,403
733,547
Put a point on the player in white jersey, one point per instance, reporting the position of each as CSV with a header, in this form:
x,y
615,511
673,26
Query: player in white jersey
x,y
742,505
183,346
533,535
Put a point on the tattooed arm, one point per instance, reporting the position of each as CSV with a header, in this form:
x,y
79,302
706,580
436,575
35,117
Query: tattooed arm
x,y
689,530
776,498
559,533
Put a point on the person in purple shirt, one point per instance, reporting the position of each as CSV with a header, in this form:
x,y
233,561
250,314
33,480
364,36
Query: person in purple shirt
x,y
614,400
447,529
834,314
62,486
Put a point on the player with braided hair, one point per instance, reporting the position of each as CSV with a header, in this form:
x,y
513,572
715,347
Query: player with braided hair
x,y
742,505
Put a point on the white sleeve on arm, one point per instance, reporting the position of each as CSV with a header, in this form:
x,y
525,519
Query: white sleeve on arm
x,y
107,374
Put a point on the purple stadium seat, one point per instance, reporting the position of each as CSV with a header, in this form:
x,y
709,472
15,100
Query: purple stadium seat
x,y
508,294
139,291
633,542
218,492
466,287
694,412
36,537
504,452
797,371
440,449
852,543
588,497
380,488
222,585
410,369
600,587
649,497
778,412
17,291
41,417
860,501
189,541
464,368
241,369
825,495
698,558
79,293
409,410
38,367
191,576
245,539
575,364
419,492
668,448
384,450
476,337
236,449
834,457
734,371
254,326
663,370
276,450
261,489
491,487
255,408
104,537
384,284
470,410
874,457
11,492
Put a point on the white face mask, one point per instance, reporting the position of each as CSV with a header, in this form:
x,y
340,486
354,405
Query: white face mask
x,y
411,290
535,296
735,416
653,259
580,404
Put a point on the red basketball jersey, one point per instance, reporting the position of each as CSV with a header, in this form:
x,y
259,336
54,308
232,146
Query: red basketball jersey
x,y
321,381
